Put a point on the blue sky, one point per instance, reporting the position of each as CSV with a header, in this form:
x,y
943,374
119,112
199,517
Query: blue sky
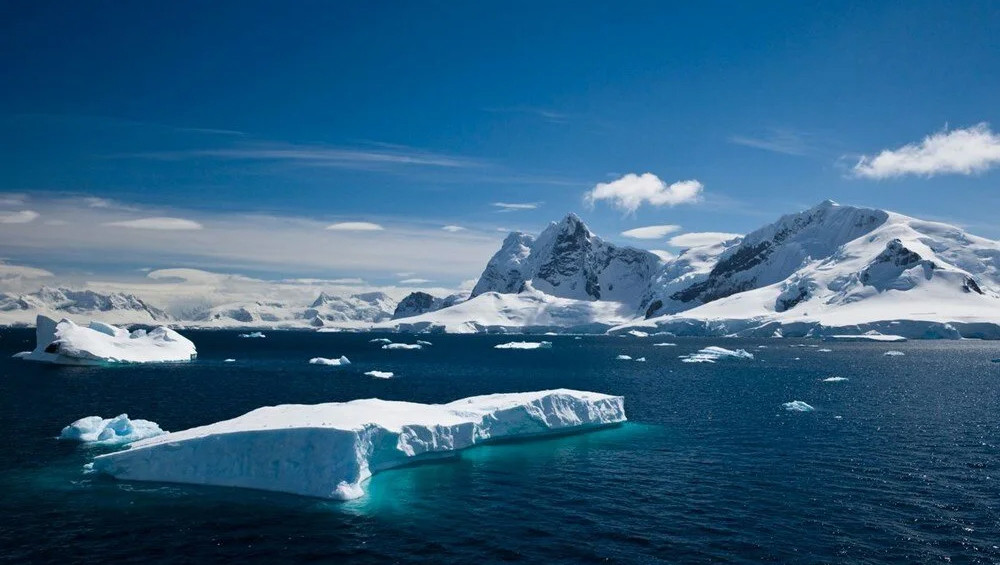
x,y
257,119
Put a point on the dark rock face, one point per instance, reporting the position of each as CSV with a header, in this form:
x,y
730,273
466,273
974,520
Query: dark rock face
x,y
896,256
971,286
418,302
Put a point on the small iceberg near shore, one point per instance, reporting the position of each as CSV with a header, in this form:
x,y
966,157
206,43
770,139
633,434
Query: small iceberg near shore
x,y
335,362
403,346
380,374
330,450
524,345
623,358
893,353
253,335
797,406
714,353
110,431
834,379
66,343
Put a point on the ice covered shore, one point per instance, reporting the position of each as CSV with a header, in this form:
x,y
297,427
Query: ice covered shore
x,y
330,450
65,343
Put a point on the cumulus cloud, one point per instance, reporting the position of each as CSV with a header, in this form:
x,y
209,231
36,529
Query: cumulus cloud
x,y
651,232
354,226
453,229
514,206
22,217
161,223
663,255
960,151
698,239
631,191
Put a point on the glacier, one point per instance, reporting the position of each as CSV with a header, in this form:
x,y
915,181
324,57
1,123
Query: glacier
x,y
66,343
330,450
119,430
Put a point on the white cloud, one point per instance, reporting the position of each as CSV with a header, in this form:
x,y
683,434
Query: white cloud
x,y
697,239
468,284
453,229
631,191
355,226
663,255
960,151
10,272
415,281
651,232
22,217
160,223
13,199
514,206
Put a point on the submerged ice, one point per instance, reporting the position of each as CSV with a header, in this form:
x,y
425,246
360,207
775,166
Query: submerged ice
x,y
330,450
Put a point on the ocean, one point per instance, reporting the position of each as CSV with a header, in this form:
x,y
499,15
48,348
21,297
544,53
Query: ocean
x,y
899,463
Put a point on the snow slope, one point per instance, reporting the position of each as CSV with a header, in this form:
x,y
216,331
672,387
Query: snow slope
x,y
65,343
330,450
112,308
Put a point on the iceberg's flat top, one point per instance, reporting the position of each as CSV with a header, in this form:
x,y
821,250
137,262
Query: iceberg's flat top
x,y
524,345
329,450
69,344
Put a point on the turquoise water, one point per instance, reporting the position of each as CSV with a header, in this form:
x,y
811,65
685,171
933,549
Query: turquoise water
x,y
898,464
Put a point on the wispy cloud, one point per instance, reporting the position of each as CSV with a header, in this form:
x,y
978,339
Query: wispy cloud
x,y
961,151
161,223
631,191
415,281
651,232
355,226
784,141
453,229
663,255
515,206
698,239
21,217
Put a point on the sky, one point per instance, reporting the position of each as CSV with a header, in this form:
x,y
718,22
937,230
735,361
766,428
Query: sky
x,y
396,143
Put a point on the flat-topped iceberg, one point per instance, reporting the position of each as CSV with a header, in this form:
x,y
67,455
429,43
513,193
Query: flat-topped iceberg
x,y
342,360
403,346
524,345
66,343
110,431
330,450
713,353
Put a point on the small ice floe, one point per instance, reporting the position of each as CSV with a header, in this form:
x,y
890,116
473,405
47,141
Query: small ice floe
x,y
664,344
402,346
824,350
714,353
577,337
380,340
422,342
110,431
524,345
624,358
229,360
335,362
379,374
641,360
893,353
761,347
253,335
637,333
834,379
797,406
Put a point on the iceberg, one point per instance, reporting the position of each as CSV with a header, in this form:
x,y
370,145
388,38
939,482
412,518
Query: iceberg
x,y
402,346
637,333
641,360
65,343
797,406
254,335
834,379
664,344
229,360
422,342
893,353
330,450
624,358
714,353
524,345
324,361
110,431
380,340
380,374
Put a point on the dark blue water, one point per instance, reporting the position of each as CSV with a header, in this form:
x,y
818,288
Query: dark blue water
x,y
710,467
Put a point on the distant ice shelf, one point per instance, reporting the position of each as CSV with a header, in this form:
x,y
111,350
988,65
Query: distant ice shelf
x,y
330,450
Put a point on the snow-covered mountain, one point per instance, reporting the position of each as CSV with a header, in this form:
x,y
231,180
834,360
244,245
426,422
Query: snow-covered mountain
x,y
568,261
417,303
115,308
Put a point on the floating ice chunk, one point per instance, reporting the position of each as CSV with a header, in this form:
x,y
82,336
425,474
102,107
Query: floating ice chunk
x,y
110,431
637,333
641,360
797,406
664,345
824,350
65,343
229,360
868,337
893,353
330,450
834,379
380,340
380,374
324,361
254,335
715,353
624,358
524,345
402,346
422,342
